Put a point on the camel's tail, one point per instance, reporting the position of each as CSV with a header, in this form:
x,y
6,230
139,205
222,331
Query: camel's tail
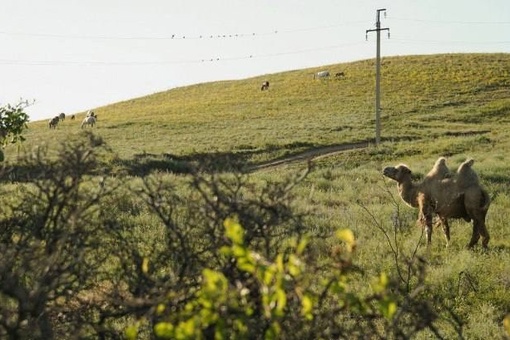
x,y
486,200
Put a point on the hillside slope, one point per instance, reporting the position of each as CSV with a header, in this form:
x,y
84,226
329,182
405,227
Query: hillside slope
x,y
423,97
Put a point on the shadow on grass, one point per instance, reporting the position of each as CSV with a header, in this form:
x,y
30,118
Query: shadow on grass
x,y
241,161
214,162
220,162
236,161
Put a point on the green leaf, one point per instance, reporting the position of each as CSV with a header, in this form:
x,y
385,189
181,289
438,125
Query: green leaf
x,y
379,285
145,265
347,236
307,307
246,265
240,326
294,265
279,263
164,330
281,302
301,246
226,251
214,282
234,231
131,332
268,274
239,251
506,324
160,309
388,308
186,329
338,287
273,332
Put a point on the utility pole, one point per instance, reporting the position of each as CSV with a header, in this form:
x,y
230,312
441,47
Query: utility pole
x,y
378,30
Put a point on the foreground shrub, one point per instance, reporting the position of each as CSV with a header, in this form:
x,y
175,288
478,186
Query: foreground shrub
x,y
201,256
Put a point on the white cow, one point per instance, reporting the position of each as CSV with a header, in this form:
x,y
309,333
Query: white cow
x,y
321,74
91,120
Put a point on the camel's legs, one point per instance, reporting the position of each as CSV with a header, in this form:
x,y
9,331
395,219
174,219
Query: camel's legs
x,y
485,237
477,215
479,229
446,229
475,236
428,228
425,219
425,216
483,232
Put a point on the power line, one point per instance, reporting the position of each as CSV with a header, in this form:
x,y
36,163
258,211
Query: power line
x,y
439,42
167,62
176,36
170,37
427,21
325,27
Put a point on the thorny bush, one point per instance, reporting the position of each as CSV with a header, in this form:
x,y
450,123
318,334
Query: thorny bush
x,y
85,255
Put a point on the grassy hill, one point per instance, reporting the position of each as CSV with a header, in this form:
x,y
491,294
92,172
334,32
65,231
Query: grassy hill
x,y
440,98
455,105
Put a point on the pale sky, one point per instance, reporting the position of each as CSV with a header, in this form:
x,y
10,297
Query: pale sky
x,y
74,55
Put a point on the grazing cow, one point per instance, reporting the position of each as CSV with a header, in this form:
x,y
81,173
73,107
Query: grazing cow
x,y
62,116
90,120
321,75
72,117
265,86
339,75
53,122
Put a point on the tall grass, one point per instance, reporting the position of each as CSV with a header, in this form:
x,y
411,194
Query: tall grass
x,y
444,105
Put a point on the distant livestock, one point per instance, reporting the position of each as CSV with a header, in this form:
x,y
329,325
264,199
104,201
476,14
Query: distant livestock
x,y
265,86
72,117
90,121
339,75
53,122
62,116
321,75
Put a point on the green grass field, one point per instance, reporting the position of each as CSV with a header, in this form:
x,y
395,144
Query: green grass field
x,y
453,105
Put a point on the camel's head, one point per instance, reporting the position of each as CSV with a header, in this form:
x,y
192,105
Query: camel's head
x,y
397,173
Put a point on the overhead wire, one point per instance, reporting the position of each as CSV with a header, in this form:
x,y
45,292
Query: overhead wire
x,y
169,37
168,62
451,22
176,36
222,36
447,22
413,40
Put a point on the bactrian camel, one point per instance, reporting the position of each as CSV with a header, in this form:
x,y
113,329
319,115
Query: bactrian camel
x,y
446,195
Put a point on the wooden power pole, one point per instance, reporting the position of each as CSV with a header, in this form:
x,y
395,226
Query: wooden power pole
x,y
378,30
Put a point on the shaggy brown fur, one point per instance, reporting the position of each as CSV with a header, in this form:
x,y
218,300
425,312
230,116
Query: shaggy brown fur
x,y
433,180
442,197
466,176
439,171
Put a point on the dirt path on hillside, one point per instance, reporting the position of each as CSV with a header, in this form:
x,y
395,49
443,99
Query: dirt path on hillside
x,y
310,155
334,149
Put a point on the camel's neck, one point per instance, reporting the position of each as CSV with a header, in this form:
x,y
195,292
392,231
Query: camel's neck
x,y
408,191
